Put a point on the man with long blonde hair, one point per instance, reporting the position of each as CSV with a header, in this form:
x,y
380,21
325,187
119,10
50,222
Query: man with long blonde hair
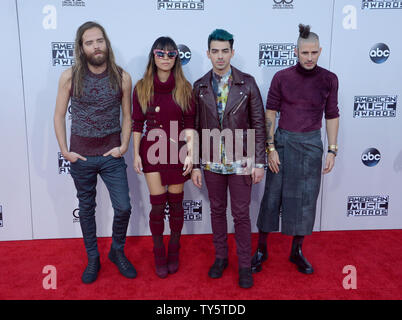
x,y
97,87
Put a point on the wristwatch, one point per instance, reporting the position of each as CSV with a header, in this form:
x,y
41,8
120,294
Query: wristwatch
x,y
269,146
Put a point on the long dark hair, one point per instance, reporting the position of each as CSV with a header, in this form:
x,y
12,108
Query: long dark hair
x,y
145,87
80,66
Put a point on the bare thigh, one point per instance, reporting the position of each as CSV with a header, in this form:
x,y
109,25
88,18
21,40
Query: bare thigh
x,y
155,186
154,183
176,188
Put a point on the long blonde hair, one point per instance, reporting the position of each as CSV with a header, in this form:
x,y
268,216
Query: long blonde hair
x,y
182,92
80,66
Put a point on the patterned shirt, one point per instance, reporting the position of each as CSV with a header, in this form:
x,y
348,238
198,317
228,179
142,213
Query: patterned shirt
x,y
221,86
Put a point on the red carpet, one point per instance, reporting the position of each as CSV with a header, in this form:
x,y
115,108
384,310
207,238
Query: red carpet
x,y
377,256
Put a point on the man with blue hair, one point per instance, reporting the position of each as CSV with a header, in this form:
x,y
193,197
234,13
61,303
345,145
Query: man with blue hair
x,y
227,100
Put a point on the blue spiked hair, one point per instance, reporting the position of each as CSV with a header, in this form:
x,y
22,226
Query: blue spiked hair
x,y
220,35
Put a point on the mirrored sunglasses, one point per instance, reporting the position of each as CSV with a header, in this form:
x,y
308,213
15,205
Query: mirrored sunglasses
x,y
161,53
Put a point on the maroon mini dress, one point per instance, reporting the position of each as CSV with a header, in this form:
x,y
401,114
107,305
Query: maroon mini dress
x,y
164,121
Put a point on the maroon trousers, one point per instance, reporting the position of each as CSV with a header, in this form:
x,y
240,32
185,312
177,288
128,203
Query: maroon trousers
x,y
240,195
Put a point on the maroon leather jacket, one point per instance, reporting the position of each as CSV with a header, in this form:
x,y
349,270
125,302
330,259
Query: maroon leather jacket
x,y
244,110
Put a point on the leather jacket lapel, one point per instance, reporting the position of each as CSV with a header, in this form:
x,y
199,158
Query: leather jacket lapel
x,y
208,96
236,94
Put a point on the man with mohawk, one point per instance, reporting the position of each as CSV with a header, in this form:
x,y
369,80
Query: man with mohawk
x,y
302,94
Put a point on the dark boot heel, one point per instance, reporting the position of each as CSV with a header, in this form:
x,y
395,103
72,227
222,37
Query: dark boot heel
x,y
173,257
160,262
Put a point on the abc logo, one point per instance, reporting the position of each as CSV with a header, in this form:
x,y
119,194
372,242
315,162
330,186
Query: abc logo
x,y
371,157
379,53
76,213
184,54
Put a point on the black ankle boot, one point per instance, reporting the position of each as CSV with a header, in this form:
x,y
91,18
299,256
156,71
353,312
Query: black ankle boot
x,y
296,256
245,278
120,260
91,271
259,257
216,270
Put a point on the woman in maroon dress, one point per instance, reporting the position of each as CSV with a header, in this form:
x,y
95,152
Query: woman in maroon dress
x,y
163,100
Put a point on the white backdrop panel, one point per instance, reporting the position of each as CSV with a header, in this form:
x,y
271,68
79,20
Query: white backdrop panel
x,y
47,29
132,27
356,31
15,208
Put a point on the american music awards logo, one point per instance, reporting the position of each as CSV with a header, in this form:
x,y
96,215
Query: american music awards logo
x,y
380,106
381,4
277,54
180,4
360,206
1,215
62,53
192,210
64,165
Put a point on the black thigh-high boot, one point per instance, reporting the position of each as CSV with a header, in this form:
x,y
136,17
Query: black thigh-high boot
x,y
296,256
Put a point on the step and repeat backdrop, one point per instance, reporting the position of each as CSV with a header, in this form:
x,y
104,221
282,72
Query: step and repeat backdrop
x,y
361,44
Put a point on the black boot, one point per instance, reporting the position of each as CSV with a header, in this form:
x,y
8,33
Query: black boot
x,y
216,271
91,271
259,257
245,278
296,256
120,260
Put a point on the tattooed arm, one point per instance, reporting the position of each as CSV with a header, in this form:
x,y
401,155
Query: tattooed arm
x,y
270,116
273,157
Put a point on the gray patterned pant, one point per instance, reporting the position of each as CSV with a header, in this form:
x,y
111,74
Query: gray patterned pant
x,y
296,187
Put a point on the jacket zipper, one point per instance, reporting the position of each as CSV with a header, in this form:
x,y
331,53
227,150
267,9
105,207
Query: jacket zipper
x,y
240,103
204,111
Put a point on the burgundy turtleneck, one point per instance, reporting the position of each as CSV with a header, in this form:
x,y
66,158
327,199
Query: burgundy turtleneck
x,y
165,114
163,109
303,96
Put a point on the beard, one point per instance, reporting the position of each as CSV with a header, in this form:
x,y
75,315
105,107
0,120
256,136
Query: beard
x,y
97,60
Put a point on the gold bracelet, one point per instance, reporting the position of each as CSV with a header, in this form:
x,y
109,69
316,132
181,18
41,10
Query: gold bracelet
x,y
333,147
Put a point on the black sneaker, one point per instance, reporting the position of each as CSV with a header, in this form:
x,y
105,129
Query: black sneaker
x,y
245,278
91,271
217,268
125,266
